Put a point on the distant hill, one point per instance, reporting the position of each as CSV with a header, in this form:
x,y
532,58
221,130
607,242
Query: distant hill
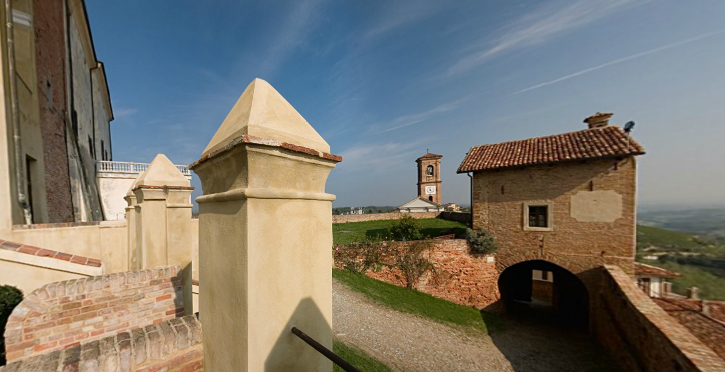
x,y
703,221
698,257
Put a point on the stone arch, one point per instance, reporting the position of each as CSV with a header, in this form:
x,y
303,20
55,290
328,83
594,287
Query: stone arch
x,y
569,294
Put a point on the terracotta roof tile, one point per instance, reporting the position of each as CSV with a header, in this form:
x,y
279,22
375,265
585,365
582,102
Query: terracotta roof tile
x,y
597,143
642,269
430,156
710,331
41,252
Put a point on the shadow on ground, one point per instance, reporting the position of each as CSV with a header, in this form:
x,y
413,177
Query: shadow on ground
x,y
537,339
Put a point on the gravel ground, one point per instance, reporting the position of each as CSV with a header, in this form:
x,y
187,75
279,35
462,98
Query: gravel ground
x,y
410,343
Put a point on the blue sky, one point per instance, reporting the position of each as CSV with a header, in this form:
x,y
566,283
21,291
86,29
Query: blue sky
x,y
382,81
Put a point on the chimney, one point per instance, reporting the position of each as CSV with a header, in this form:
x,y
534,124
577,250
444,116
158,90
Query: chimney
x,y
693,293
598,120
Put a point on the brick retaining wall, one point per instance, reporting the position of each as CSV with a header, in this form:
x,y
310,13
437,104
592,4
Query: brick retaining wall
x,y
464,278
344,218
640,335
172,346
58,315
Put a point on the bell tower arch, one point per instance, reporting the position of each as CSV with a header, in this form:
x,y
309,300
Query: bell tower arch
x,y
429,177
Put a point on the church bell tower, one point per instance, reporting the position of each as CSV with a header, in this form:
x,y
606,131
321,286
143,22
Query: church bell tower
x,y
429,177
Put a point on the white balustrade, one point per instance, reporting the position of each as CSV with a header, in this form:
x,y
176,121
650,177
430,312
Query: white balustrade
x,y
131,167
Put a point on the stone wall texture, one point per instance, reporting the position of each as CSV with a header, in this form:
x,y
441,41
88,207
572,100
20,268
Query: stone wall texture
x,y
172,346
344,218
464,278
49,18
62,314
640,335
574,243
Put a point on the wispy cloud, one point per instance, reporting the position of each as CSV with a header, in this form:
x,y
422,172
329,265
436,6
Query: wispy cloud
x,y
401,14
619,60
540,26
381,156
410,119
123,112
292,33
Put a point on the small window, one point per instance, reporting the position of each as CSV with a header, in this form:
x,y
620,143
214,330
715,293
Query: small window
x,y
538,217
429,171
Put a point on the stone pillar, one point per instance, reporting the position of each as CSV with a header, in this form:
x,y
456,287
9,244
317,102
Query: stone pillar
x,y
265,238
134,262
163,222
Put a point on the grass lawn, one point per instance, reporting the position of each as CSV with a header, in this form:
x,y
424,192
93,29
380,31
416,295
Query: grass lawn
x,y
357,358
345,233
418,303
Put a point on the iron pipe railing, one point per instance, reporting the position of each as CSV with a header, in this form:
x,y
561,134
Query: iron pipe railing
x,y
325,351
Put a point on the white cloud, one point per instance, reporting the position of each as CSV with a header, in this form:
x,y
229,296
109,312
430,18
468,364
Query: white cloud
x,y
619,60
540,26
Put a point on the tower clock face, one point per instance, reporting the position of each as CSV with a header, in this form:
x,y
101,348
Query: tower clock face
x,y
430,190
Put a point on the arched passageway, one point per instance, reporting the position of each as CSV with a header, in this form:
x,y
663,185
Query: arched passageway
x,y
545,290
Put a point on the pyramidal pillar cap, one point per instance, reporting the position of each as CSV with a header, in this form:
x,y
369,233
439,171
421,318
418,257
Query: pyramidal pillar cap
x,y
161,173
262,116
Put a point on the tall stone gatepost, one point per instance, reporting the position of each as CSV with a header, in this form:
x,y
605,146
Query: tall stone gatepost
x,y
163,222
265,238
134,261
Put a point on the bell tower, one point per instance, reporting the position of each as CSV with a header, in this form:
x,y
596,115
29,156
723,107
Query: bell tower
x,y
429,177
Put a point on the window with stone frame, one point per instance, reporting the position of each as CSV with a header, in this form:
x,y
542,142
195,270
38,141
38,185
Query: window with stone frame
x,y
538,216
429,171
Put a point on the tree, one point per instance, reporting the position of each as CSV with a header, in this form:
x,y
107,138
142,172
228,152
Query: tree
x,y
406,228
481,241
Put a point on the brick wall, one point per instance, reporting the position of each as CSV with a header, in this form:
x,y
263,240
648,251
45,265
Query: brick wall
x,y
577,245
344,218
49,18
58,315
640,335
172,346
464,278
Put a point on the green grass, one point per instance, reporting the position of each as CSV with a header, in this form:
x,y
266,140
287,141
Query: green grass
x,y
648,236
710,285
345,233
357,358
418,303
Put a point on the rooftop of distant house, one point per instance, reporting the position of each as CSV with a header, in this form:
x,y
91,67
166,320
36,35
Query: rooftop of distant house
x,y
430,156
648,270
599,141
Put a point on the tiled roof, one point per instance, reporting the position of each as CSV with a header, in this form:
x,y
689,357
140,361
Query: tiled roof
x,y
597,143
710,331
642,269
40,252
430,156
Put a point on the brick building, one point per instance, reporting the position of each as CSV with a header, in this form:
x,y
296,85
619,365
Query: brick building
x,y
429,177
562,204
56,114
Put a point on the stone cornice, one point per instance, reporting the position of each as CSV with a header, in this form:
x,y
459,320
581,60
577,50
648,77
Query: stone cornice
x,y
267,193
266,142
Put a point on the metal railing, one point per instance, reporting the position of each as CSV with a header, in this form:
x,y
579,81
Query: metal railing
x,y
131,167
324,351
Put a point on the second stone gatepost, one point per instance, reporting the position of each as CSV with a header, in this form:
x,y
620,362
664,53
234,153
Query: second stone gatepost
x,y
265,238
